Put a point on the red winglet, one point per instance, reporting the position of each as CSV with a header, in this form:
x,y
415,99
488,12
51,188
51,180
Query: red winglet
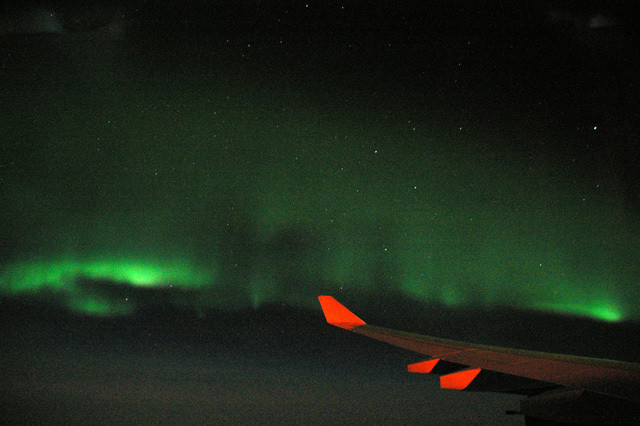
x,y
338,315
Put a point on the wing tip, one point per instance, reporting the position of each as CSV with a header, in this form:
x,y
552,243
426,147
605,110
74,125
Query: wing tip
x,y
336,314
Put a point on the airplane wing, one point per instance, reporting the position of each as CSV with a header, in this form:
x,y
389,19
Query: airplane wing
x,y
559,388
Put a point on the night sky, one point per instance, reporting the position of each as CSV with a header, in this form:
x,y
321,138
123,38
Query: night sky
x,y
179,181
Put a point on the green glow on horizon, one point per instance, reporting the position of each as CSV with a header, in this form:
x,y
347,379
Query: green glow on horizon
x,y
601,310
597,299
59,277
31,275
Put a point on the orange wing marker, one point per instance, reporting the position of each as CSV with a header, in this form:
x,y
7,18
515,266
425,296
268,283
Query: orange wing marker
x,y
458,380
422,367
338,315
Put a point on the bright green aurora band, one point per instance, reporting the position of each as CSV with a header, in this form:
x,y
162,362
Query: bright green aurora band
x,y
235,201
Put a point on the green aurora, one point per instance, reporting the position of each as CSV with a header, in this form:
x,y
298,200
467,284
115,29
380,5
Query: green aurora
x,y
247,195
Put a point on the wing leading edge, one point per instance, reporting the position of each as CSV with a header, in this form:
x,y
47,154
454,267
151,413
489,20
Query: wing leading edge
x,y
562,388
